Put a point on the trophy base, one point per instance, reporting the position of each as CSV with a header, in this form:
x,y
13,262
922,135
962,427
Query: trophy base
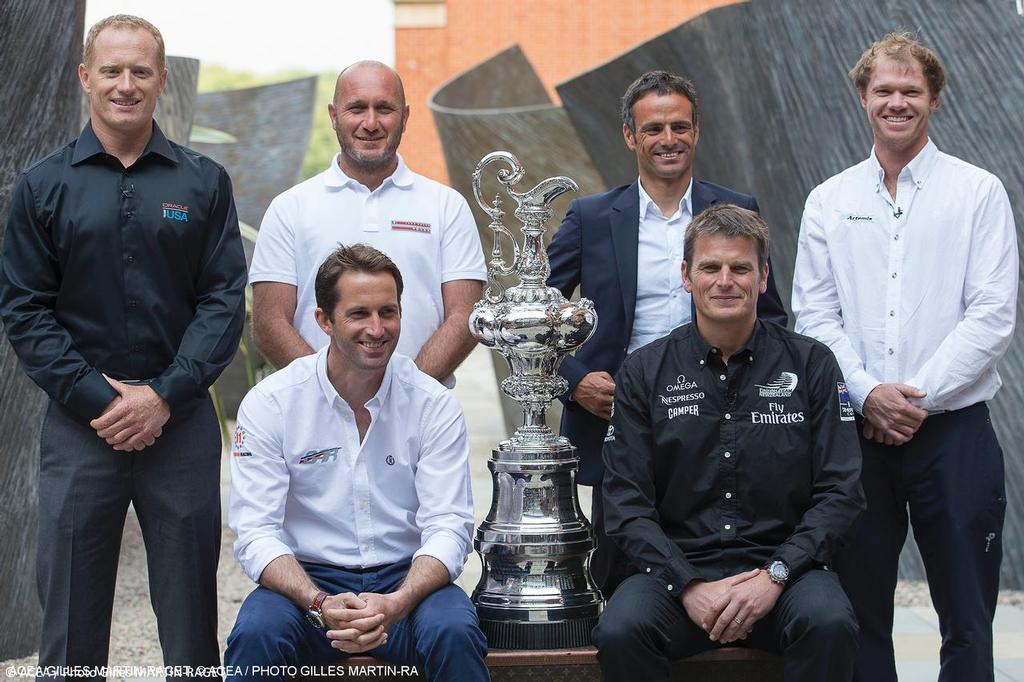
x,y
566,634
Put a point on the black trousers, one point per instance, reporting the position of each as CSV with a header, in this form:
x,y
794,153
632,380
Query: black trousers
x,y
950,476
644,628
85,487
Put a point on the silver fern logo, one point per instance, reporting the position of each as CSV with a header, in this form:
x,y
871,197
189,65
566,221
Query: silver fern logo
x,y
782,387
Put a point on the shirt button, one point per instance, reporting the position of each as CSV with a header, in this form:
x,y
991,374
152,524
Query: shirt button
x,y
130,214
728,496
722,377
728,416
130,259
366,548
896,237
891,351
702,362
648,569
669,587
728,526
894,275
892,313
132,303
728,455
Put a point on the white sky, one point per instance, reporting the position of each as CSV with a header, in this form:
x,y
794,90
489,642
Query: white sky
x,y
266,36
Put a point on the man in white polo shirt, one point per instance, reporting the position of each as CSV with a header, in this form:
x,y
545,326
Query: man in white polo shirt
x,y
369,195
350,497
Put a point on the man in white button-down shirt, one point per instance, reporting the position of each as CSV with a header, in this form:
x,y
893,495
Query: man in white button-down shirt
x,y
350,497
907,269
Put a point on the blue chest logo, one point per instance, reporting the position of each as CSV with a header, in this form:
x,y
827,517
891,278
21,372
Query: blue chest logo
x,y
175,212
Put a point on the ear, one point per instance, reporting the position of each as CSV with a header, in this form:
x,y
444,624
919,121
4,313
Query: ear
x,y
687,284
864,100
763,287
333,113
630,138
405,117
163,80
83,78
323,321
935,103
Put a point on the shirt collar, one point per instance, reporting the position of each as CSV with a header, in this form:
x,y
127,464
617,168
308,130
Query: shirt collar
x,y
706,352
331,395
647,204
335,177
88,145
918,170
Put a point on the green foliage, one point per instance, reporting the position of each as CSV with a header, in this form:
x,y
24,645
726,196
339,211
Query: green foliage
x,y
322,142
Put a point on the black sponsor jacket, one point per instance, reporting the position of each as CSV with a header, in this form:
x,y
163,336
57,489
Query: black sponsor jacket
x,y
711,470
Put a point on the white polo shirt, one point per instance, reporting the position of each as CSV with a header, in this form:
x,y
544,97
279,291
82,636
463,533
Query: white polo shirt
x,y
425,227
302,483
920,289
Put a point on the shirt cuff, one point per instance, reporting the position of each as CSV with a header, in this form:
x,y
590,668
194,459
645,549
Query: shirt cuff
x,y
477,275
90,396
175,386
860,384
795,558
255,556
450,551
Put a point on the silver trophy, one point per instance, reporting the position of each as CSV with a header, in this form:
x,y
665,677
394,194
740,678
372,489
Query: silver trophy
x,y
535,591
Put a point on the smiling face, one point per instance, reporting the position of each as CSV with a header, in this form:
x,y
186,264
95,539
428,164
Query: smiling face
x,y
724,279
123,80
366,321
898,103
369,115
665,138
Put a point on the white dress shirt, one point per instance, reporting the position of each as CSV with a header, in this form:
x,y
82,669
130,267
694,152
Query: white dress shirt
x,y
425,227
302,483
920,289
662,304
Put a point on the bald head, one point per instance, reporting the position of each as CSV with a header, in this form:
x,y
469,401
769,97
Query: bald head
x,y
370,70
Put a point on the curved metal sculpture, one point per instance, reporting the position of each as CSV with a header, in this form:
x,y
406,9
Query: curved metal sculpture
x,y
474,115
780,116
535,591
48,85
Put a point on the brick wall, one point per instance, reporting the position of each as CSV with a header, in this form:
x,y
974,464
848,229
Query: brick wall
x,y
438,39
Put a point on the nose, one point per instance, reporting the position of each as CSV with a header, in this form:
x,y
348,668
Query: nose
x,y
370,120
897,101
665,136
724,278
375,325
125,81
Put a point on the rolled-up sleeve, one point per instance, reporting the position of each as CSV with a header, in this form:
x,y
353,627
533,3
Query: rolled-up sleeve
x,y
259,485
445,513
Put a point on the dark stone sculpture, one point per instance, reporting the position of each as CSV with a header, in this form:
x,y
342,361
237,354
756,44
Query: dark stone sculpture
x,y
502,104
779,116
39,53
270,125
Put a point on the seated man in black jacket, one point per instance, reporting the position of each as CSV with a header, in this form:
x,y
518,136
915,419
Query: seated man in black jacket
x,y
731,475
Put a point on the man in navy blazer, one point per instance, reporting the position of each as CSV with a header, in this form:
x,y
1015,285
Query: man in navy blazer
x,y
602,244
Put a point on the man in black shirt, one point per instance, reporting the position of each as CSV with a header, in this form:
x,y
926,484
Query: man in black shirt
x,y
121,290
731,475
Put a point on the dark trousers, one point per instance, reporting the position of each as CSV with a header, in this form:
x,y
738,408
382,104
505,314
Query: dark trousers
x,y
644,628
608,565
950,475
441,635
85,487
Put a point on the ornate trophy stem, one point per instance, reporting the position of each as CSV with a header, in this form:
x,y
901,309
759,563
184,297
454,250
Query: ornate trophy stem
x,y
535,591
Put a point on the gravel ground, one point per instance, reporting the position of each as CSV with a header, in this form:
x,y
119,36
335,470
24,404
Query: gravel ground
x,y
134,637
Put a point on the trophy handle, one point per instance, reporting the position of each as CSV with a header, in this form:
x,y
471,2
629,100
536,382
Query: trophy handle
x,y
497,266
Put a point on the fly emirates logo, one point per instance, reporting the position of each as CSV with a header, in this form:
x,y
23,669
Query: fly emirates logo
x,y
776,414
782,387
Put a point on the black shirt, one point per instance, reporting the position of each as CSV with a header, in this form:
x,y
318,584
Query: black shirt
x,y
134,272
711,470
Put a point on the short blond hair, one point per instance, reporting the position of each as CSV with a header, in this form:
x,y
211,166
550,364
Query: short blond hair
x,y
123,21
900,46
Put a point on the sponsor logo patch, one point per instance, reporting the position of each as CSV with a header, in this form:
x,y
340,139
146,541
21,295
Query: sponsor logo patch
x,y
609,435
853,217
410,226
845,406
681,410
238,444
175,212
781,387
319,456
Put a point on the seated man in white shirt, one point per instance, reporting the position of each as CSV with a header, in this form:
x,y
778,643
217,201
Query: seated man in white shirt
x,y
350,496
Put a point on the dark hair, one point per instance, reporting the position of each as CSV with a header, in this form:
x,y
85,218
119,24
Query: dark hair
x,y
661,82
354,258
728,220
903,47
127,21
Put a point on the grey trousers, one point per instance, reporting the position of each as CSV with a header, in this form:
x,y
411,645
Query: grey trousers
x,y
85,487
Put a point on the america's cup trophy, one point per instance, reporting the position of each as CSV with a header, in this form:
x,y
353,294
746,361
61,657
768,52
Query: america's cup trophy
x,y
535,591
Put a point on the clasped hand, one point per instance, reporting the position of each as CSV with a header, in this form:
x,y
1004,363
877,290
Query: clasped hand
x,y
358,623
889,416
134,419
727,609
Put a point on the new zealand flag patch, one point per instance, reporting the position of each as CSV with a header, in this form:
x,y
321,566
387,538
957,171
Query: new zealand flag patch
x,y
845,406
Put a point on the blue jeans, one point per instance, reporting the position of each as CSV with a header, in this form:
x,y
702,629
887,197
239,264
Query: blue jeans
x,y
441,635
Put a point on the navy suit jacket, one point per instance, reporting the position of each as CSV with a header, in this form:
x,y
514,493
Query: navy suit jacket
x,y
595,248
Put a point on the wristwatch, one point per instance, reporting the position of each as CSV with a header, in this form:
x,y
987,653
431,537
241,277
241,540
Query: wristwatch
x,y
778,572
315,614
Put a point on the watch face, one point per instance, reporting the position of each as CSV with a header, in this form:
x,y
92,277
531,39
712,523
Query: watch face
x,y
778,571
316,619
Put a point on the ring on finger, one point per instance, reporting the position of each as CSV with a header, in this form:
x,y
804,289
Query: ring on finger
x,y
738,620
